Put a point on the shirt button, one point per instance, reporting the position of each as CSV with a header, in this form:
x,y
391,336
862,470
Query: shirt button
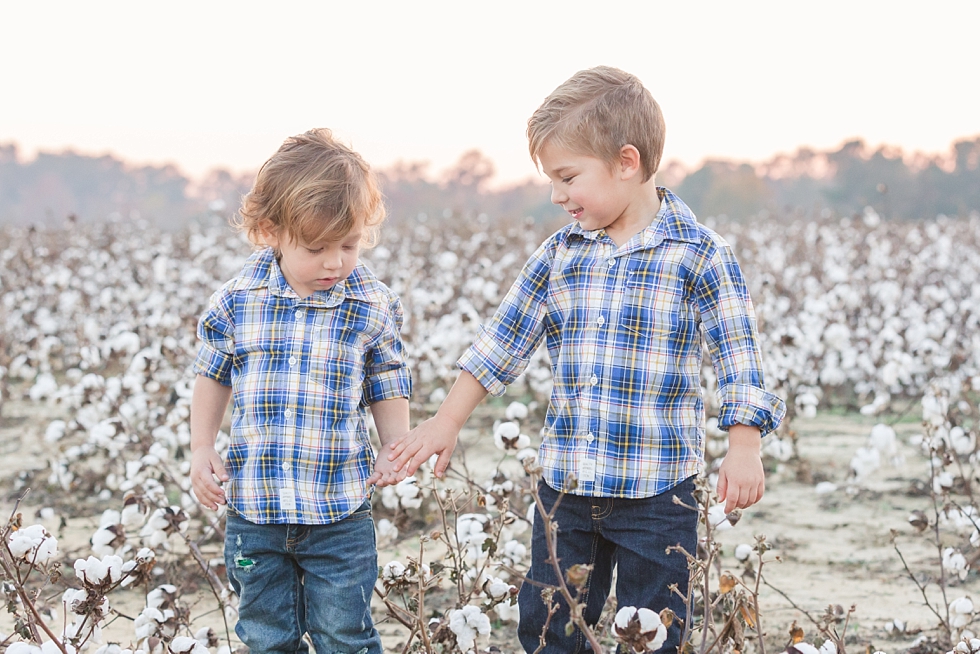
x,y
601,320
590,437
288,413
612,262
594,380
299,314
292,361
286,467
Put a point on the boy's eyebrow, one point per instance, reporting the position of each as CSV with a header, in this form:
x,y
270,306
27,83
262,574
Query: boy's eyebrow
x,y
558,172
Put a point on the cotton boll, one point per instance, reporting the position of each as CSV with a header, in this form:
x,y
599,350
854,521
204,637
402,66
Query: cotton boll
x,y
961,612
640,629
865,461
386,530
963,442
516,411
955,563
467,623
55,431
779,449
743,551
719,519
508,612
33,544
882,438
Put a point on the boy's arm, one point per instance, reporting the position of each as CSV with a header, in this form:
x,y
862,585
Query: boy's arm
x,y
391,421
741,478
208,404
438,434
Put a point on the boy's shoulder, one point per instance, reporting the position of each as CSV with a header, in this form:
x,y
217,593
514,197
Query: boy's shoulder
x,y
363,284
256,272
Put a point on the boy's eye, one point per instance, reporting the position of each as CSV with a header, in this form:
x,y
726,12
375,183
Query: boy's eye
x,y
566,180
349,248
314,251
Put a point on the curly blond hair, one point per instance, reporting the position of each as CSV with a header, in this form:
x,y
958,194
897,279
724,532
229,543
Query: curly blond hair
x,y
313,189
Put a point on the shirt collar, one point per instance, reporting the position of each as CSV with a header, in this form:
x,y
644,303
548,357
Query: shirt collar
x,y
262,271
674,221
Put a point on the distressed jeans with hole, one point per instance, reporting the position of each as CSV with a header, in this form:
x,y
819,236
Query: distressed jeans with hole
x,y
631,535
296,579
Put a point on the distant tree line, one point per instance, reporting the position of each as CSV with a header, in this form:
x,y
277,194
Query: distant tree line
x,y
844,181
54,186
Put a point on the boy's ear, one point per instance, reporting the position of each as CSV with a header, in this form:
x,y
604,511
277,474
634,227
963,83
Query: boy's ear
x,y
270,234
629,161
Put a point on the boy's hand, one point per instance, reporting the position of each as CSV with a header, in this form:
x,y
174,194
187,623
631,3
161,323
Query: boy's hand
x,y
436,435
741,478
206,462
384,470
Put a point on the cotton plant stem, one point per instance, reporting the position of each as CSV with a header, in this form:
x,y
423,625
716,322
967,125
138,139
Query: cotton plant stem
x,y
755,608
922,589
947,625
423,629
706,623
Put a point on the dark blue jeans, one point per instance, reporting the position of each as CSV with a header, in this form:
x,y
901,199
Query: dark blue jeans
x,y
296,579
606,532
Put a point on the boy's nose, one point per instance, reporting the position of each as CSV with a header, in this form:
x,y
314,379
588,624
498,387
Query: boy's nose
x,y
333,260
557,196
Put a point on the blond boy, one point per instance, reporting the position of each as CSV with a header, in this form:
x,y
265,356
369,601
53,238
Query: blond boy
x,y
623,297
303,338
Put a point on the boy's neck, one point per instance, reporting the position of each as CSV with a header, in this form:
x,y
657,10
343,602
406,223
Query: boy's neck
x,y
640,213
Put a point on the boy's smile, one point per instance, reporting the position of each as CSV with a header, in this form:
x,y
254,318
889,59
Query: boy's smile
x,y
600,195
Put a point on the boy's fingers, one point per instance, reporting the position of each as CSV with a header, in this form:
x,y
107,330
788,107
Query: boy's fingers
x,y
443,463
410,456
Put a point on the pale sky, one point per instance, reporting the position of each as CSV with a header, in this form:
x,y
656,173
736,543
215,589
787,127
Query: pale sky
x,y
205,84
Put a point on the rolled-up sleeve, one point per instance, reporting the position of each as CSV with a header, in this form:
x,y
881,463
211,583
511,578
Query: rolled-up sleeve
x,y
386,372
504,346
216,331
733,344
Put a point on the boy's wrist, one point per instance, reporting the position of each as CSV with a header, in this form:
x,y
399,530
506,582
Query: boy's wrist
x,y
456,423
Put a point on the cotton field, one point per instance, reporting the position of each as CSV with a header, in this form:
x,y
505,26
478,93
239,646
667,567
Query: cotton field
x,y
859,316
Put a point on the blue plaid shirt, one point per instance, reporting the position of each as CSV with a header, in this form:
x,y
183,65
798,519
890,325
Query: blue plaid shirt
x,y
302,372
623,327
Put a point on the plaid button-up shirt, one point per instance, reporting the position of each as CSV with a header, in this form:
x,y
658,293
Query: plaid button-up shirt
x,y
623,327
302,372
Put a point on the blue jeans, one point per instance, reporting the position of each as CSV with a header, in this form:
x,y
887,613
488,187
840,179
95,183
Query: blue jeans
x,y
296,579
604,532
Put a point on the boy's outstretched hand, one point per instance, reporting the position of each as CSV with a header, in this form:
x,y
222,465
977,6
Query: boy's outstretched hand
x,y
741,478
436,435
384,470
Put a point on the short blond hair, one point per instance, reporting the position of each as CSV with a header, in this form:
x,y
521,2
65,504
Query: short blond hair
x,y
596,112
313,188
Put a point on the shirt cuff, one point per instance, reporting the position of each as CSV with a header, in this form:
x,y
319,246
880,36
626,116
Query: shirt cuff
x,y
213,364
750,405
491,364
388,385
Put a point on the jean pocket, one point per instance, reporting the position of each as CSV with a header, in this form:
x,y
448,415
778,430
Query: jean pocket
x,y
363,512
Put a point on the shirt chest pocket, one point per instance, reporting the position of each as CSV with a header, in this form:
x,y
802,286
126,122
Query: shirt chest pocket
x,y
337,365
653,307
